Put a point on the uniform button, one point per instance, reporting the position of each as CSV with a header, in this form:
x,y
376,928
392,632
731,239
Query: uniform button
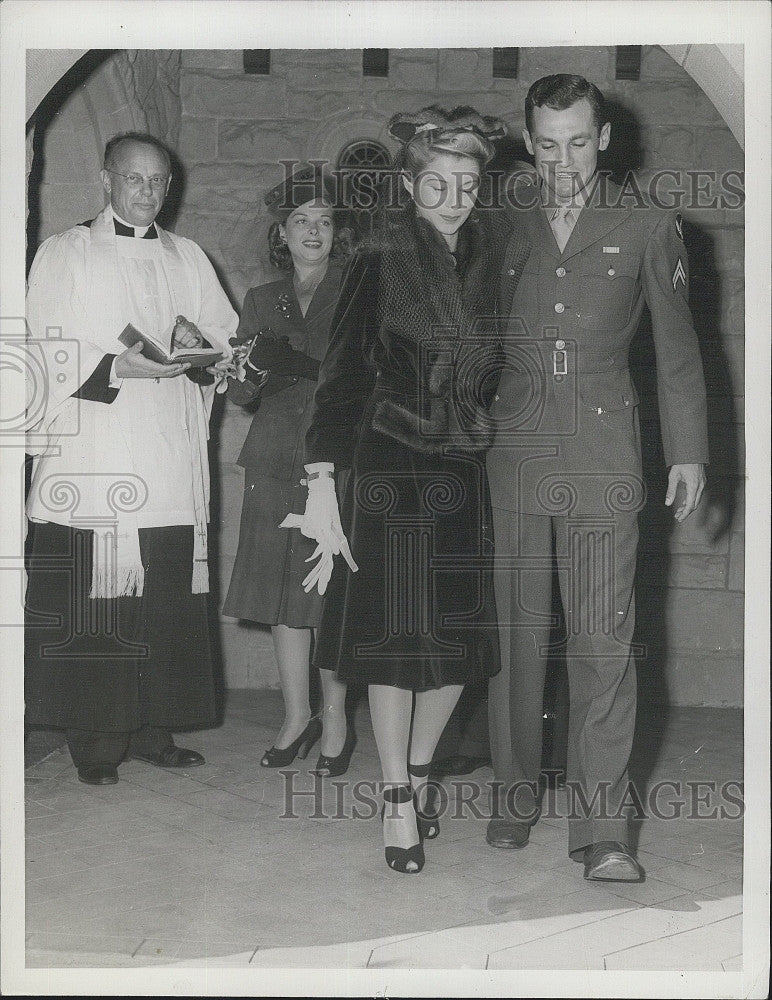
x,y
561,272
496,397
611,271
560,345
559,307
511,272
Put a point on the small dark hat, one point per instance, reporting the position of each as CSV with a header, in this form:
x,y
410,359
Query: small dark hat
x,y
307,182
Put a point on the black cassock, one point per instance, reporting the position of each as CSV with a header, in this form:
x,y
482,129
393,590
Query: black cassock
x,y
113,665
116,664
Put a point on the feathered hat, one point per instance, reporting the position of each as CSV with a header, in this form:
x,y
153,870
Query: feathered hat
x,y
434,120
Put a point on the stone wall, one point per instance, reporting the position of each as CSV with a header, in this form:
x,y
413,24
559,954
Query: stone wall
x,y
232,131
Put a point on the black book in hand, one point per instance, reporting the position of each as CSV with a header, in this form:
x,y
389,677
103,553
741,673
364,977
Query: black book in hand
x,y
162,352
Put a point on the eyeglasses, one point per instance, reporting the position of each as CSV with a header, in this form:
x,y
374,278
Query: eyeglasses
x,y
158,181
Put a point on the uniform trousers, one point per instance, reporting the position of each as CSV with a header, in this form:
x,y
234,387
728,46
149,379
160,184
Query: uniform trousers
x,y
596,569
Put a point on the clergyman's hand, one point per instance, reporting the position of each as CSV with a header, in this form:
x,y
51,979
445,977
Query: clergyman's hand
x,y
133,364
186,334
692,475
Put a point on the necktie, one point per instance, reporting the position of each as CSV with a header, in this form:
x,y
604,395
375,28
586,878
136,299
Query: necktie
x,y
562,222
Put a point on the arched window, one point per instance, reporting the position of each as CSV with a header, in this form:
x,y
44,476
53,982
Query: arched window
x,y
362,166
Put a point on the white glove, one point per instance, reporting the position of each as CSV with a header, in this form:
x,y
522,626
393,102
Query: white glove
x,y
321,521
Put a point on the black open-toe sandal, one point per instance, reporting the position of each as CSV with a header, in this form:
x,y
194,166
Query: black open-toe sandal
x,y
399,858
428,823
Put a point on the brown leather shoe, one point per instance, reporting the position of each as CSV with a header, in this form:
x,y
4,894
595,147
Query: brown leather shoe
x,y
610,861
171,757
98,774
507,833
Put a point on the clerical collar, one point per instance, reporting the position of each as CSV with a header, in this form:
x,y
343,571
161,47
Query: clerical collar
x,y
141,232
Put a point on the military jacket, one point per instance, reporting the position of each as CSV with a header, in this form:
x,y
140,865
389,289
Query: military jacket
x,y
567,431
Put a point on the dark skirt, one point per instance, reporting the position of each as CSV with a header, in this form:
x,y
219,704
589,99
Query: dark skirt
x,y
113,665
420,612
266,583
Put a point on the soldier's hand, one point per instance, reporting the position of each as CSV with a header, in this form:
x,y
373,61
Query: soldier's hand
x,y
692,475
133,364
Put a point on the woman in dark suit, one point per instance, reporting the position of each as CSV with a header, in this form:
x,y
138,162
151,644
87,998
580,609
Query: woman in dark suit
x,y
288,320
402,401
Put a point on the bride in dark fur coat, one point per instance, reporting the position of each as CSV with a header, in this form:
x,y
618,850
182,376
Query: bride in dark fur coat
x,y
401,400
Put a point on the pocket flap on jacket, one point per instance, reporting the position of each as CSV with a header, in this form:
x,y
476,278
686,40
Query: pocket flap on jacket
x,y
607,391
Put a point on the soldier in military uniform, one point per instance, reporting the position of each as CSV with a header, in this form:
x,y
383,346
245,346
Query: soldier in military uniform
x,y
566,465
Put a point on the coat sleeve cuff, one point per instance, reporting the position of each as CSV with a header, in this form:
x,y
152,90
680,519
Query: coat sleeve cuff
x,y
101,386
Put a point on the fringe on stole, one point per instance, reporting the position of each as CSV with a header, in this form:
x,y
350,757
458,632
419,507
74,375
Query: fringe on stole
x,y
116,569
200,583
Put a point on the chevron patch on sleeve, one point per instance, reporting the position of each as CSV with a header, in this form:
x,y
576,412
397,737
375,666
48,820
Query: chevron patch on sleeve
x,y
679,274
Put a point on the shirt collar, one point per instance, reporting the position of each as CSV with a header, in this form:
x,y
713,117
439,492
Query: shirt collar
x,y
138,231
551,207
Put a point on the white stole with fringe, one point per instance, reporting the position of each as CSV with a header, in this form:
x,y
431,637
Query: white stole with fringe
x,y
117,567
140,461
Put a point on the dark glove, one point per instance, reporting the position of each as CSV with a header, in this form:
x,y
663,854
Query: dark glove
x,y
200,376
242,393
269,352
277,356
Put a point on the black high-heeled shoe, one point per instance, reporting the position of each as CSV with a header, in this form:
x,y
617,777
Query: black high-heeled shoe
x,y
299,748
428,823
332,767
399,858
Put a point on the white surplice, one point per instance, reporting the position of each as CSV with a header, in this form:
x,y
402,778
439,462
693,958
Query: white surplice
x,y
141,460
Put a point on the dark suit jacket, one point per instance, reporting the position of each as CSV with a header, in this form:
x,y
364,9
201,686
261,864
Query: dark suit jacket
x,y
274,443
568,437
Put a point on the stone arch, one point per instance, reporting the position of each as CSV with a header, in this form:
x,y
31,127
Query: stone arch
x,y
45,68
718,69
109,92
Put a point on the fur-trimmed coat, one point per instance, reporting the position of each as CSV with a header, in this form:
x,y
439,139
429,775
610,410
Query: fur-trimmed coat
x,y
414,346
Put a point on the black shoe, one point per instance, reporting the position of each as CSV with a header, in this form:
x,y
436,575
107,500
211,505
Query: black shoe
x,y
98,774
171,757
610,861
428,823
332,767
507,833
300,747
458,764
399,858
